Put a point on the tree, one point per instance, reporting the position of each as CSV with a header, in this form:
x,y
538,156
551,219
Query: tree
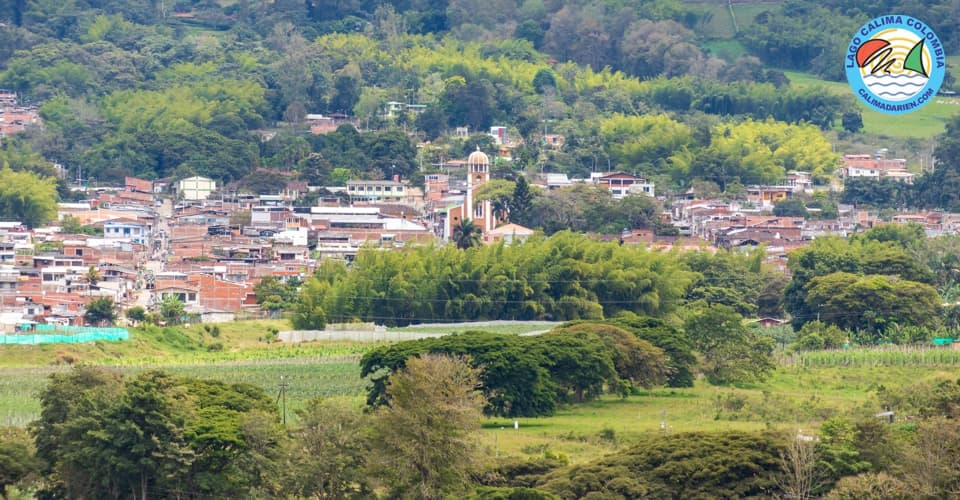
x,y
818,335
799,464
71,225
309,312
425,438
171,309
26,197
274,295
636,361
870,485
790,208
579,362
101,310
872,304
18,457
681,465
514,374
346,94
544,78
837,451
521,202
331,450
91,277
103,436
466,234
674,342
731,352
136,313
852,121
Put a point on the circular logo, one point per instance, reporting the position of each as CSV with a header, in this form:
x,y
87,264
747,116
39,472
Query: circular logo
x,y
895,64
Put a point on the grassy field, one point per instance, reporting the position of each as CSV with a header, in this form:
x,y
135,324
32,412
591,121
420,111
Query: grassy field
x,y
804,390
717,22
305,378
922,124
796,397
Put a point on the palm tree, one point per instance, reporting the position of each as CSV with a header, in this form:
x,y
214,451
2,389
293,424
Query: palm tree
x,y
466,234
91,278
501,208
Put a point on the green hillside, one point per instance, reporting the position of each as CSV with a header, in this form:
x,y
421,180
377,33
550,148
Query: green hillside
x,y
922,124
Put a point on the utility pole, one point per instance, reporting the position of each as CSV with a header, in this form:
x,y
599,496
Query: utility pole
x,y
283,397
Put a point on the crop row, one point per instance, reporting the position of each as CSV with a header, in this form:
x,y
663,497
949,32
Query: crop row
x,y
885,356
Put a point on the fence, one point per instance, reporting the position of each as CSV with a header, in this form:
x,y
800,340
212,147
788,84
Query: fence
x,y
297,336
53,334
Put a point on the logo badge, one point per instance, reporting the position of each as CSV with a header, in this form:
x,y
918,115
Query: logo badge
x,y
895,64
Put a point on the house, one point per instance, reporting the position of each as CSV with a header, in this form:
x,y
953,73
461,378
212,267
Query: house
x,y
499,134
187,293
800,181
8,98
196,188
436,186
875,167
554,141
138,185
766,197
127,229
551,181
375,190
508,233
622,184
320,124
769,322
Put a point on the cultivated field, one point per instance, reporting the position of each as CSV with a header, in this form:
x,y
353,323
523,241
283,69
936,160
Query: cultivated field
x,y
803,392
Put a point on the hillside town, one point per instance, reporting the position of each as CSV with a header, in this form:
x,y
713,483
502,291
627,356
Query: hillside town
x,y
209,245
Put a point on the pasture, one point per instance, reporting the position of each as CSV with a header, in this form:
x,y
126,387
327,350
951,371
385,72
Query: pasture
x,y
923,124
804,391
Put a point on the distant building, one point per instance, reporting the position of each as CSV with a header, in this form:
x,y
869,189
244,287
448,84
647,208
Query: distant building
x,y
499,134
126,229
480,212
508,233
196,188
436,186
623,184
875,167
322,124
375,190
8,98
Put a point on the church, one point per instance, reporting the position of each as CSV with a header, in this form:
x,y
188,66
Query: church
x,y
480,212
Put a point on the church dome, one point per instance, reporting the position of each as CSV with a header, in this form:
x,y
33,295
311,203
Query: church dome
x,y
478,158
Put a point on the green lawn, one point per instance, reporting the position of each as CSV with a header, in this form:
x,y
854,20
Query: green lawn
x,y
923,124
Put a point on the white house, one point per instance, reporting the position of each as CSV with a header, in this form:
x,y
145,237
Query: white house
x,y
196,188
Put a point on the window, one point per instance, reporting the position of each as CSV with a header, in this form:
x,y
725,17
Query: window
x,y
193,297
